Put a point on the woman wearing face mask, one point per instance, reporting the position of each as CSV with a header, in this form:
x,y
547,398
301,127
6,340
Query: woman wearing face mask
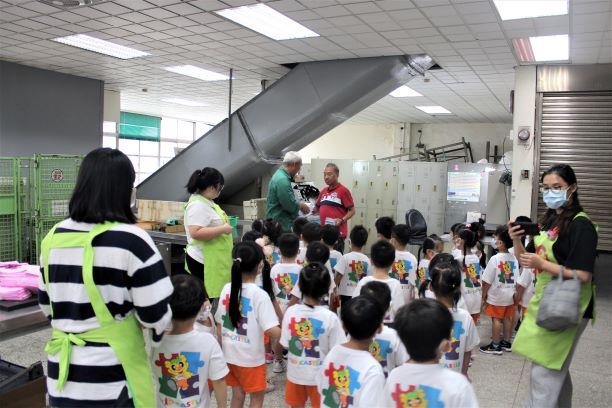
x,y
209,235
566,244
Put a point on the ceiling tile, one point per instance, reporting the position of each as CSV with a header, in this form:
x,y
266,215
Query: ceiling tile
x,y
183,9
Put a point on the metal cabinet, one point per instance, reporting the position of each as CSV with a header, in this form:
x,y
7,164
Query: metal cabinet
x,y
359,188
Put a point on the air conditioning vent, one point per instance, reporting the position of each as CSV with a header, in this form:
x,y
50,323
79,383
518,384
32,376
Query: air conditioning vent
x,y
71,4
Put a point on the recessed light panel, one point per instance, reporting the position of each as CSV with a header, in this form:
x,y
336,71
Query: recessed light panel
x,y
434,110
100,46
185,102
517,9
197,72
404,92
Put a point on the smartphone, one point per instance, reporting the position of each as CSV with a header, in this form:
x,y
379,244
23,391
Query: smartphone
x,y
530,228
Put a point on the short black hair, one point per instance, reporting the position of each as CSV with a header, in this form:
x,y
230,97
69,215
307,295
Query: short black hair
x,y
298,224
502,233
257,225
252,236
200,180
273,230
311,232
289,245
187,298
383,226
422,325
455,227
330,234
383,254
359,236
378,291
401,233
103,189
362,317
317,252
314,280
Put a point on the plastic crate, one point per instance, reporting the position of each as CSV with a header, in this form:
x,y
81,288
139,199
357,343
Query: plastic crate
x,y
8,210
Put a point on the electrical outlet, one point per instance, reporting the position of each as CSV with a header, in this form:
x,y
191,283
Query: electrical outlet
x,y
524,174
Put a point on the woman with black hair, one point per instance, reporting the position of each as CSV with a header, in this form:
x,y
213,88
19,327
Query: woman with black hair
x,y
102,281
209,235
567,247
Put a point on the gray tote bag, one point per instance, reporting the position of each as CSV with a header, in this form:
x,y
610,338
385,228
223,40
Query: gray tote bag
x,y
560,304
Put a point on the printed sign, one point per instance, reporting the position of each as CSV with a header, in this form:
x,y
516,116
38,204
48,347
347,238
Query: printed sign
x,y
57,175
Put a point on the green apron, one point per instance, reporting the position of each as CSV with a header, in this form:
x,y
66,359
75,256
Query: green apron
x,y
125,337
217,253
545,347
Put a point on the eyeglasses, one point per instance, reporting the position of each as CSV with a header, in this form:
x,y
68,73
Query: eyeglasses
x,y
556,190
220,188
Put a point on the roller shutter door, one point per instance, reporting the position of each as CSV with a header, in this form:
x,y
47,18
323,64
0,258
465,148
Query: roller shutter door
x,y
576,129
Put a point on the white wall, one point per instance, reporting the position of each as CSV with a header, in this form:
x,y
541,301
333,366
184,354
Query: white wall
x,y
353,141
477,134
112,106
523,157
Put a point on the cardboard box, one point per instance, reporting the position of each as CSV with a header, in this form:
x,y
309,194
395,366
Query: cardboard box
x,y
255,209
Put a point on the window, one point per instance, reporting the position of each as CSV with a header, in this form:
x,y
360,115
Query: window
x,y
109,134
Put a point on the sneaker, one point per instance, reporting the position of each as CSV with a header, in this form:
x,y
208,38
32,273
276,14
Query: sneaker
x,y
269,386
285,353
279,366
506,346
491,349
269,358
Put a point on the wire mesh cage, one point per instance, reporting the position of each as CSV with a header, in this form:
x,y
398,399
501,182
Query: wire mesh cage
x,y
9,238
26,207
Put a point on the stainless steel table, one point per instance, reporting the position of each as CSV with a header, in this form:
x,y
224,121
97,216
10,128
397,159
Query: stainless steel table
x,y
21,321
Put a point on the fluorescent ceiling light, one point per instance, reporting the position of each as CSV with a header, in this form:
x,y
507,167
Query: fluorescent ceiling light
x,y
550,47
434,110
267,21
100,46
196,72
181,101
515,9
523,49
404,92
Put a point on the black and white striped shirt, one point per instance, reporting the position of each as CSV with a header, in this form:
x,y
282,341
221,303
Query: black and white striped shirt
x,y
129,273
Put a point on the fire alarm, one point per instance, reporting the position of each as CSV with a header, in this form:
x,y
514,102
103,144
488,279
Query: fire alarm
x,y
523,135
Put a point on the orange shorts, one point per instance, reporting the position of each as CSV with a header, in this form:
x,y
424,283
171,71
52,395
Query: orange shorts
x,y
250,379
499,312
296,395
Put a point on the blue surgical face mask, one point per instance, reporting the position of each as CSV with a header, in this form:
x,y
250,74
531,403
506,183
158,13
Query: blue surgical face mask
x,y
555,199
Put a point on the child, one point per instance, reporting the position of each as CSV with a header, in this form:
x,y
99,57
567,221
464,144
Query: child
x,y
350,376
386,347
309,332
498,283
446,284
383,255
425,328
428,249
525,289
405,265
245,313
383,228
330,235
454,237
296,228
352,267
186,358
316,252
271,230
311,232
439,247
471,285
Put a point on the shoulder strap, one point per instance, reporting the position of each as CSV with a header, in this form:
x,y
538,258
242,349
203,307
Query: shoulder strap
x,y
585,215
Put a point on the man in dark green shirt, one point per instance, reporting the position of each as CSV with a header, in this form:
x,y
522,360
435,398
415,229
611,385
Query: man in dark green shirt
x,y
282,205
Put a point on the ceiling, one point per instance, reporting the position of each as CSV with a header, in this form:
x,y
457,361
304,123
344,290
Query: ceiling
x,y
465,37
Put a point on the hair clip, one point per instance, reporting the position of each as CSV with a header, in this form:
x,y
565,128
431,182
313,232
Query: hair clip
x,y
237,259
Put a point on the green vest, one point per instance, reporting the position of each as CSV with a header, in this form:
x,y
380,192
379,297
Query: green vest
x,y
125,337
545,347
217,253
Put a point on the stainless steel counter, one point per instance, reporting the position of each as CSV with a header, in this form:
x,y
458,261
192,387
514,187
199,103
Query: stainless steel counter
x,y
21,321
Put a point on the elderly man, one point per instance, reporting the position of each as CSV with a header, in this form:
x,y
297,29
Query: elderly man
x,y
335,203
282,205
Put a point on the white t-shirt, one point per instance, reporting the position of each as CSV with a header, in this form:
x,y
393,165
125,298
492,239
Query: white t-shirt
x,y
273,257
334,257
309,333
471,285
284,278
199,214
388,350
527,280
397,294
244,346
353,267
428,385
422,273
464,338
352,377
501,273
404,270
181,366
301,257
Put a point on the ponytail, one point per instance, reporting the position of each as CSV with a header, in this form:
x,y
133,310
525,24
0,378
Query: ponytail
x,y
200,180
267,280
423,288
236,289
247,256
445,274
429,243
469,238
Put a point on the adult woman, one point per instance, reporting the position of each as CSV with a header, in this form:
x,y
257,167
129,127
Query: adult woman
x,y
209,248
566,245
102,280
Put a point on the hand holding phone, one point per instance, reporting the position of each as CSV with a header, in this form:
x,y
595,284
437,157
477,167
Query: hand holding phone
x,y
528,228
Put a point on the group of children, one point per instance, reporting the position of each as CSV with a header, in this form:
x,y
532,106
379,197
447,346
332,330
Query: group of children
x,y
403,336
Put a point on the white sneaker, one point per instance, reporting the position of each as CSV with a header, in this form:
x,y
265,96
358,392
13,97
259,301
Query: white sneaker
x,y
279,366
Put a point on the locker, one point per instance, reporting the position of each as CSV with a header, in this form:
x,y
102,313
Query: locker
x,y
390,181
359,218
405,185
359,188
391,212
376,182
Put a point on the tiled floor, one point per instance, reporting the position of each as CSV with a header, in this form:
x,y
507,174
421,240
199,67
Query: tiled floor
x,y
499,381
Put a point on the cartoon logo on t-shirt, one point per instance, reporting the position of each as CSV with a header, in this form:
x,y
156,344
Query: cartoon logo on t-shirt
x,y
472,275
506,272
421,276
542,253
245,308
400,270
359,269
273,258
305,334
452,354
179,377
420,396
343,383
380,350
285,283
